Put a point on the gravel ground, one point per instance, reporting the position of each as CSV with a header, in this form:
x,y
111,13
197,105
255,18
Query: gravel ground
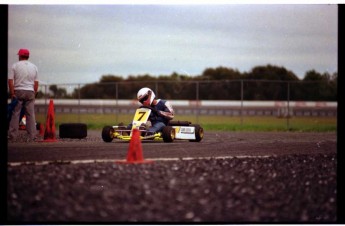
x,y
289,188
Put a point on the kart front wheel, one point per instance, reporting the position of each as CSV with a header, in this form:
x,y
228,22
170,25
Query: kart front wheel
x,y
108,133
168,134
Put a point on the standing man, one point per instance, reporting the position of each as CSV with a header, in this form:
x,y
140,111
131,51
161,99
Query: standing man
x,y
23,86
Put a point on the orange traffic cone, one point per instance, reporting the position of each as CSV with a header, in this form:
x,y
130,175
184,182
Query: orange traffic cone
x,y
49,133
135,151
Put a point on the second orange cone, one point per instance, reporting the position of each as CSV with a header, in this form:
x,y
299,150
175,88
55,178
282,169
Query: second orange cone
x,y
135,151
49,133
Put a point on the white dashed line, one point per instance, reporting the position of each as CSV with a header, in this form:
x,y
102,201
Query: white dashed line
x,y
37,163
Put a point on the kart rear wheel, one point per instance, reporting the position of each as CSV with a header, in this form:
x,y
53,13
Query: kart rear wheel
x,y
199,133
108,133
168,134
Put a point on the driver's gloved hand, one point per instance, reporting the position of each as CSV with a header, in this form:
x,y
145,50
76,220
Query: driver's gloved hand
x,y
154,111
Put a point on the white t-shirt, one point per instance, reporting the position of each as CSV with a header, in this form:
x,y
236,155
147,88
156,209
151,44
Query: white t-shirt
x,y
24,73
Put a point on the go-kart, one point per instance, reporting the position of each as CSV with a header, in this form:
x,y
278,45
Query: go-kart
x,y
175,130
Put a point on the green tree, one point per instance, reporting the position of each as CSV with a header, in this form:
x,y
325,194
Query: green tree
x,y
267,90
270,72
317,86
92,91
58,92
267,82
110,79
220,73
312,75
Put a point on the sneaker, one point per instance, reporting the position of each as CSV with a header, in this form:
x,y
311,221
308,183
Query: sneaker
x,y
145,126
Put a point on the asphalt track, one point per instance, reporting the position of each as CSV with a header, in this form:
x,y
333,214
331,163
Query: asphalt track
x,y
214,144
227,177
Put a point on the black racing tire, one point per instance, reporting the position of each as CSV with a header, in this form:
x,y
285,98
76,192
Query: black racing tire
x,y
168,134
73,130
199,133
107,133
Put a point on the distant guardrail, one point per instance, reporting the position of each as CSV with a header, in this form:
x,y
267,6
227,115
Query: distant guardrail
x,y
201,107
192,103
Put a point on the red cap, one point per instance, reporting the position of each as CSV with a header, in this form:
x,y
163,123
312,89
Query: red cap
x,y
24,52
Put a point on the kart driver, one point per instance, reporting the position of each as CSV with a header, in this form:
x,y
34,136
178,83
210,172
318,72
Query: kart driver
x,y
162,111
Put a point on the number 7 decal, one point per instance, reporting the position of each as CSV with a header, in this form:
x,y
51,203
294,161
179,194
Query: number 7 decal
x,y
142,115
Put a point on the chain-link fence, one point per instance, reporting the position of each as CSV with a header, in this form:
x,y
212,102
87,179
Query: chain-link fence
x,y
226,97
251,90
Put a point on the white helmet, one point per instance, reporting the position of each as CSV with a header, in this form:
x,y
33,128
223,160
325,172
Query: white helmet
x,y
146,94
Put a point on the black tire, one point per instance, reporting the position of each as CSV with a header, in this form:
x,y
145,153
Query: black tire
x,y
199,133
107,133
73,130
168,134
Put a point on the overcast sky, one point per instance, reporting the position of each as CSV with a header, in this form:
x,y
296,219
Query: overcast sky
x,y
80,43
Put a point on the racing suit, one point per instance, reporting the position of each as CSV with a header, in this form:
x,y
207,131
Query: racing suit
x,y
160,116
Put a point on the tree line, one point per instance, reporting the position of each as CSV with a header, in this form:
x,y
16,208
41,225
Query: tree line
x,y
267,82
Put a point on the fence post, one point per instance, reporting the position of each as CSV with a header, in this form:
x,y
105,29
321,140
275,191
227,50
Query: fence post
x,y
241,102
117,102
288,107
156,88
45,99
197,102
79,102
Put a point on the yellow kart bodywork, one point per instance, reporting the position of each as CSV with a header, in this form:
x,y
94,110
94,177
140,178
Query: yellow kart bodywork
x,y
123,136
